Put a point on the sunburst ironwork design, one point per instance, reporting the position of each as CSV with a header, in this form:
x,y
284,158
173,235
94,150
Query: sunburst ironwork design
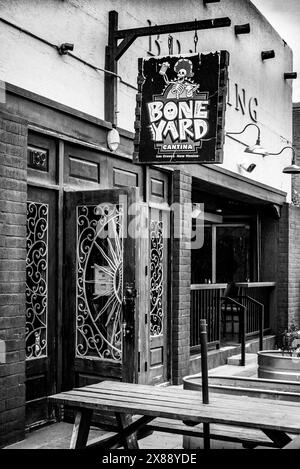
x,y
99,281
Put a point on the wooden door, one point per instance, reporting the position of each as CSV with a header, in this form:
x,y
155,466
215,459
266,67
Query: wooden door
x,y
153,299
99,271
158,292
40,303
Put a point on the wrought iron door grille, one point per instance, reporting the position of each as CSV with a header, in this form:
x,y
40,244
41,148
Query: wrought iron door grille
x,y
99,281
36,280
156,277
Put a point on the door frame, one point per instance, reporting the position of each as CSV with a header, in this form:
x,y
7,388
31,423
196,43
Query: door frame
x,y
157,196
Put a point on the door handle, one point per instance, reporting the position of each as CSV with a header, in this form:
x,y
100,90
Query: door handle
x,y
126,330
128,307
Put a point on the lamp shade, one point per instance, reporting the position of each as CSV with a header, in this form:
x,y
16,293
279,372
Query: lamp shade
x,y
292,169
256,149
113,139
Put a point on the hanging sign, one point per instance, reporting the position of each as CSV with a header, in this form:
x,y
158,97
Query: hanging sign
x,y
180,109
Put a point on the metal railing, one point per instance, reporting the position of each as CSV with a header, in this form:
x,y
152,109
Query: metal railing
x,y
250,314
207,303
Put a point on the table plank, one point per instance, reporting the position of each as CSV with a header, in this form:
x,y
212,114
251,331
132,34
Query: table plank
x,y
183,397
189,397
177,393
236,402
284,416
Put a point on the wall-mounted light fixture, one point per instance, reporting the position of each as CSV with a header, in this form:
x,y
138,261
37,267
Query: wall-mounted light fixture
x,y
290,75
293,168
242,29
64,48
267,54
113,139
248,168
256,149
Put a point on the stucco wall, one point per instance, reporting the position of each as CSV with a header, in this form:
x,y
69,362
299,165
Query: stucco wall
x,y
30,64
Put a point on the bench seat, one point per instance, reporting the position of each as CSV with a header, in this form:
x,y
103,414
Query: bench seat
x,y
248,437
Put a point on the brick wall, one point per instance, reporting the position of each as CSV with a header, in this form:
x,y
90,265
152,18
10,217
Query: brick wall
x,y
296,145
181,277
294,265
283,270
289,267
13,196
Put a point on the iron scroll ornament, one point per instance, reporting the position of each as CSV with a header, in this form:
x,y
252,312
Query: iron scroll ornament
x,y
156,277
36,280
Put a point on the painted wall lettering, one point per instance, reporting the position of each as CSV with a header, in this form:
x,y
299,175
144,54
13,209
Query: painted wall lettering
x,y
239,98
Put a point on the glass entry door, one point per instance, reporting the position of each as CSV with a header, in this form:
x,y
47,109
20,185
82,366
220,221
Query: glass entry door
x,y
99,268
41,303
153,268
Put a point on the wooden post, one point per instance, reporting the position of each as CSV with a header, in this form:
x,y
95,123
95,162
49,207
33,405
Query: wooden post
x,y
111,84
204,376
204,368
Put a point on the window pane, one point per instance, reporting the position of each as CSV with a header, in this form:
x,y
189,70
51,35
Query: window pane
x,y
233,254
201,259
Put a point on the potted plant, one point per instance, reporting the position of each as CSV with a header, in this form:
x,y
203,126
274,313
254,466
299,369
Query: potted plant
x,y
288,341
283,363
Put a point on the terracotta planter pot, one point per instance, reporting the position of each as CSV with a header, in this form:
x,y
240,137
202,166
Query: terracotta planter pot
x,y
273,364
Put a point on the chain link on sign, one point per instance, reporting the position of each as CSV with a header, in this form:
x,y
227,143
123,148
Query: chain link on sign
x,y
196,38
170,44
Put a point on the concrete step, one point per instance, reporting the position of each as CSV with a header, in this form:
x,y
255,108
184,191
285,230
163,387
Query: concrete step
x,y
219,357
251,359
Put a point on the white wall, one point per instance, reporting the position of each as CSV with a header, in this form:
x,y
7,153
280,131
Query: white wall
x,y
32,65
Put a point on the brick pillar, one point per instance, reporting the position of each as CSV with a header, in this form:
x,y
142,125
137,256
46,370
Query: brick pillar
x,y
294,266
289,267
13,195
296,145
283,271
181,276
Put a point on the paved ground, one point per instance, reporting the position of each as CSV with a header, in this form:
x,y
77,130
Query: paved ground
x,y
57,435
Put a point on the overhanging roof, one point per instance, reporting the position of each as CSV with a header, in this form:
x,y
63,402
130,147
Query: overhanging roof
x,y
220,181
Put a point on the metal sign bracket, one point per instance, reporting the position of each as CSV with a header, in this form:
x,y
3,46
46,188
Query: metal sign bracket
x,y
115,50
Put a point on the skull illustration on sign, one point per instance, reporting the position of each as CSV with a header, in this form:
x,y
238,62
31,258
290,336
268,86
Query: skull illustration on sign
x,y
183,84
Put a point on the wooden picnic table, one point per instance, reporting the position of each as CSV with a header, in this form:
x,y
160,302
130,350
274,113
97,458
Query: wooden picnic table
x,y
274,418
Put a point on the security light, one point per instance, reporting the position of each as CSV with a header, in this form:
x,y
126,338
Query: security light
x,y
249,168
113,139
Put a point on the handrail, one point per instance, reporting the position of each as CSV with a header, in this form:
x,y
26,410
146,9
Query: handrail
x,y
208,286
242,327
243,323
262,318
255,284
207,302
